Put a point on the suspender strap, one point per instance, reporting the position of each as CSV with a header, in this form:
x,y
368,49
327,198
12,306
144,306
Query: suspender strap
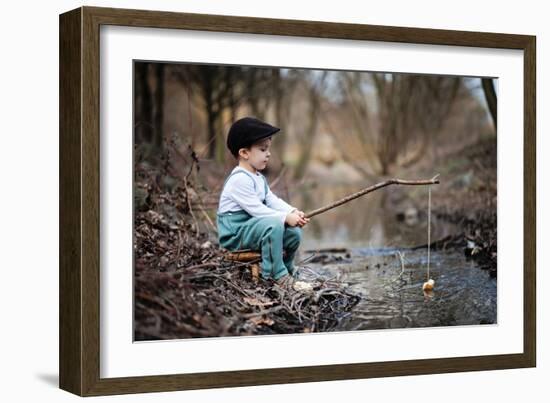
x,y
266,188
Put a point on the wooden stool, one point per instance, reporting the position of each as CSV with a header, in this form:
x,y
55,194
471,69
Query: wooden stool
x,y
245,256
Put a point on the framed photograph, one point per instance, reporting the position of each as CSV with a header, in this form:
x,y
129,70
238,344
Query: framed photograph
x,y
248,201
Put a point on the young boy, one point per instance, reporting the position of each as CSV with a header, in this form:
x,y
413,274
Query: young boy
x,y
250,216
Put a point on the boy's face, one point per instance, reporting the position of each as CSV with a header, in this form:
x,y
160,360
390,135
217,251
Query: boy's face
x,y
258,154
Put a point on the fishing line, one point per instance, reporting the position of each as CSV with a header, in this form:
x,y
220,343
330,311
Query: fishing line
x,y
429,284
429,227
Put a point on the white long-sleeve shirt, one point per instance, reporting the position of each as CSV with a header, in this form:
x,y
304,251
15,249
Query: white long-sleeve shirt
x,y
247,191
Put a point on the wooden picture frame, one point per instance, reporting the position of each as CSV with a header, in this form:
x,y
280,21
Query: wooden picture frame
x,y
80,184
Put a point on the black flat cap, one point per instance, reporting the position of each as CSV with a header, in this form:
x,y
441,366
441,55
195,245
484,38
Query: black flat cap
x,y
246,131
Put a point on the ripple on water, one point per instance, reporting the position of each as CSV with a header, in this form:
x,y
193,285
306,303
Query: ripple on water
x,y
392,295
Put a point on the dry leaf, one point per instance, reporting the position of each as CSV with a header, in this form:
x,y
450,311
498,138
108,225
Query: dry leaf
x,y
260,320
261,302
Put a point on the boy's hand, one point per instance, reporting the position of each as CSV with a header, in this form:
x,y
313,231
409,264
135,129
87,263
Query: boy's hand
x,y
296,219
303,217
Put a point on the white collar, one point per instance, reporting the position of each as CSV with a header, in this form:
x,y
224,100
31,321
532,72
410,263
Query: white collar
x,y
238,167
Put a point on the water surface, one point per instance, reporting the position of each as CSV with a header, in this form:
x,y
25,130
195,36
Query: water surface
x,y
392,295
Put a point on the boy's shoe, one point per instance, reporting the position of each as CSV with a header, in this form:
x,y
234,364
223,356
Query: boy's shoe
x,y
289,283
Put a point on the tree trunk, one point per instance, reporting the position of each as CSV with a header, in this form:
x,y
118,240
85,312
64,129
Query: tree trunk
x,y
491,97
307,145
159,106
142,105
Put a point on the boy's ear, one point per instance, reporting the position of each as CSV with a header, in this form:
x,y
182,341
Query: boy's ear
x,y
243,153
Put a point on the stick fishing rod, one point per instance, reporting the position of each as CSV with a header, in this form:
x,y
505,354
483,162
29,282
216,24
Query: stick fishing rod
x,y
433,181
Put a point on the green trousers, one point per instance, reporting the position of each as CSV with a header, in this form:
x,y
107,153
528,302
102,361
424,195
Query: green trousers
x,y
239,230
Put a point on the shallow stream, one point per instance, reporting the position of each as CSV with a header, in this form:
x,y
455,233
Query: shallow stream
x,y
372,232
391,288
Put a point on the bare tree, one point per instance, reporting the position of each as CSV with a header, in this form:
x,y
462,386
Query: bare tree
x,y
394,116
284,86
158,106
259,89
315,92
215,87
142,104
149,105
223,91
490,97
433,100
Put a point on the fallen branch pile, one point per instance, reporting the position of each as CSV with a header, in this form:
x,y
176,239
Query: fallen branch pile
x,y
222,300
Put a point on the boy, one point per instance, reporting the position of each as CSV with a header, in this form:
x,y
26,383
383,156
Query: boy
x,y
250,216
